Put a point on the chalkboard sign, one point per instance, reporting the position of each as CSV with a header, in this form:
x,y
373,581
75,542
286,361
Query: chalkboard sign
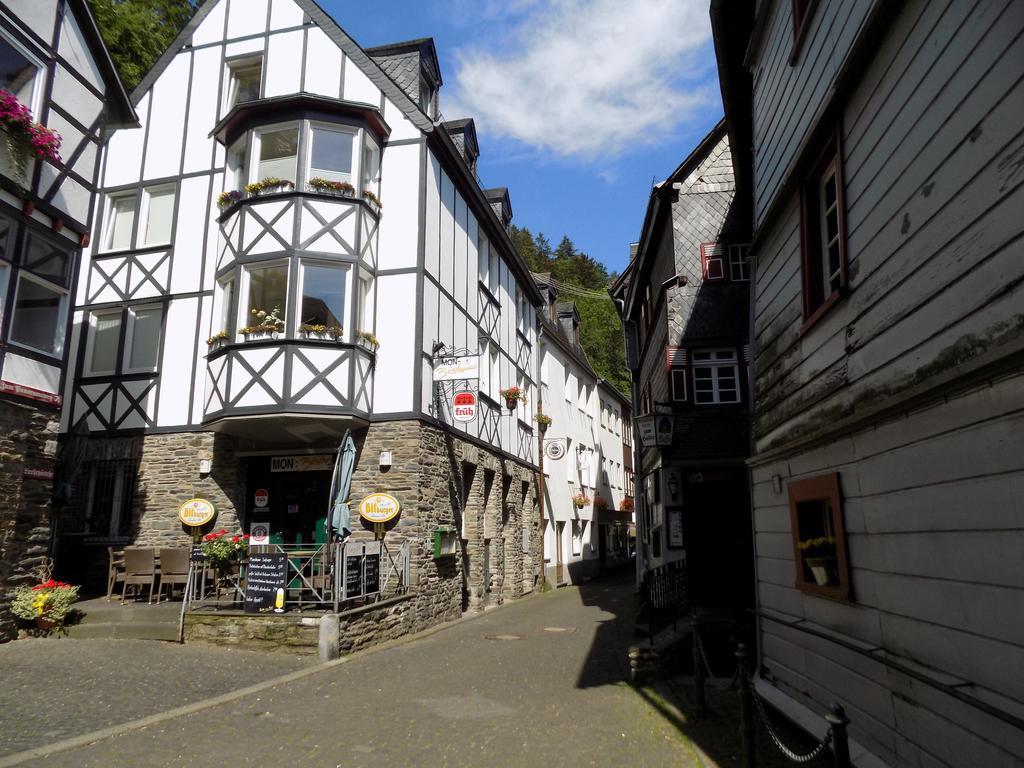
x,y
353,576
371,576
196,555
266,574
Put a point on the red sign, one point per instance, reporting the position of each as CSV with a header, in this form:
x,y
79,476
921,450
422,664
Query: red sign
x,y
10,388
464,406
262,497
37,474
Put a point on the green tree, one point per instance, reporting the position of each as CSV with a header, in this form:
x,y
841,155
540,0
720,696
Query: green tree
x,y
137,32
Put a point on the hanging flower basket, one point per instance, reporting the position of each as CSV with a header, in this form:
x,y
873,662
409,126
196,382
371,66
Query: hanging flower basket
x,y
512,396
543,422
580,500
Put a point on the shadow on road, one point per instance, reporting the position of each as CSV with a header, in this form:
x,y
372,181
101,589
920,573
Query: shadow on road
x,y
614,593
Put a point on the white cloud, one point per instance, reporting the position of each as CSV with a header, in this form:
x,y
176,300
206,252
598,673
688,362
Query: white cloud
x,y
589,78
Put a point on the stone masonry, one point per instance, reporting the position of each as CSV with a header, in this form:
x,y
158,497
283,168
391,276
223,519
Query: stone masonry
x,y
28,441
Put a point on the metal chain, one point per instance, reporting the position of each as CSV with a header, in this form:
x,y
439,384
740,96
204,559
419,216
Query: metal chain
x,y
707,666
775,738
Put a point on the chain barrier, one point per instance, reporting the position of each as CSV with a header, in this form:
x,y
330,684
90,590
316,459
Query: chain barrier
x,y
711,675
793,756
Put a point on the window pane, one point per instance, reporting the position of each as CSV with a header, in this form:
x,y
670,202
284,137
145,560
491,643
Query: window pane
x,y
268,290
17,73
830,191
145,338
122,217
46,259
246,81
106,339
5,228
323,296
371,164
227,295
160,216
331,156
278,153
38,321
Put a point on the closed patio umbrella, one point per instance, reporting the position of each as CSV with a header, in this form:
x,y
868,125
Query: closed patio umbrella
x,y
341,483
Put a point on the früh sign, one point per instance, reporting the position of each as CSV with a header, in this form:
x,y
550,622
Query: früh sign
x,y
464,406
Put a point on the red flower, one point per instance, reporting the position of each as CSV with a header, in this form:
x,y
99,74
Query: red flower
x,y
222,531
234,539
245,536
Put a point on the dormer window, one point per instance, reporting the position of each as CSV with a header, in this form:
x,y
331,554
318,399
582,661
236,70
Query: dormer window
x,y
425,96
244,79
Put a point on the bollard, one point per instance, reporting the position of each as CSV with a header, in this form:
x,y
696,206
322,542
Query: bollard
x,y
698,671
838,721
746,710
329,640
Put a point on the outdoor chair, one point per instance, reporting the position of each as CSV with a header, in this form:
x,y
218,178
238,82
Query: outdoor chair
x,y
139,569
173,570
115,569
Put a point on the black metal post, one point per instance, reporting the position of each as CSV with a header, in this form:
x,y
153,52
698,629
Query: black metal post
x,y
746,710
698,670
838,721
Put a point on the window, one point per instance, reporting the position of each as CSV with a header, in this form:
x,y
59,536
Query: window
x,y
803,11
20,73
482,258
739,263
577,537
267,290
371,165
236,165
143,338
712,259
110,486
675,362
46,259
156,226
245,76
819,541
715,376
278,154
822,233
104,342
223,311
141,341
425,96
495,375
40,315
492,271
323,295
485,367
330,155
364,311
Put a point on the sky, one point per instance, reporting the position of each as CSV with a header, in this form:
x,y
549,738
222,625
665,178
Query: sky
x,y
580,105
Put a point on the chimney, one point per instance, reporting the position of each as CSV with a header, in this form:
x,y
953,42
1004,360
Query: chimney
x,y
414,68
633,248
463,134
501,204
569,320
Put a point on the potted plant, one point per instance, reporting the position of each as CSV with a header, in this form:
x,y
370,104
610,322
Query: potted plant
x,y
226,199
24,138
221,548
512,396
580,500
46,604
600,503
323,332
543,421
373,200
328,187
820,556
267,186
368,340
626,505
215,341
269,324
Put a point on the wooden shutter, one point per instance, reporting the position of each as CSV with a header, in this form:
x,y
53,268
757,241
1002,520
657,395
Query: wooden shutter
x,y
712,259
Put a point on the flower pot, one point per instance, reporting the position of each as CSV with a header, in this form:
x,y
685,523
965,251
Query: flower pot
x,y
16,162
824,570
510,403
46,623
542,428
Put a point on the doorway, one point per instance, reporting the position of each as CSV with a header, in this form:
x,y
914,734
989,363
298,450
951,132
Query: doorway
x,y
292,498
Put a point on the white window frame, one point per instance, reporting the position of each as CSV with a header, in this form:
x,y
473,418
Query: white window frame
x,y
356,172
347,297
367,141
242,312
108,220
62,316
699,359
237,164
252,174
739,263
35,102
142,213
90,344
830,174
129,336
222,308
235,64
485,368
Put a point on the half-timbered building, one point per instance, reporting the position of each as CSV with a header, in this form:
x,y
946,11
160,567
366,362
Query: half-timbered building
x,y
888,436
54,64
282,252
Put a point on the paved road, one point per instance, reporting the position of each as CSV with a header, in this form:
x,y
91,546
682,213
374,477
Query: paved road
x,y
538,682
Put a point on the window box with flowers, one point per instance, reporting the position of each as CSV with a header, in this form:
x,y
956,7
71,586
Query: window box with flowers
x,y
372,200
328,187
367,340
227,199
24,139
46,605
222,548
321,332
218,340
512,397
269,186
543,422
580,500
268,325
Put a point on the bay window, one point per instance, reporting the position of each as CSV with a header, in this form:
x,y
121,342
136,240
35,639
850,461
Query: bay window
x,y
266,291
278,154
40,315
224,299
371,165
330,153
323,295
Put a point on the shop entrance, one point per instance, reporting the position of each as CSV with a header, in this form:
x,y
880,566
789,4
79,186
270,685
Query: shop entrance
x,y
292,495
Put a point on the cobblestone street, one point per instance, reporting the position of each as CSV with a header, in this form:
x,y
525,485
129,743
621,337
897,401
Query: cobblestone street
x,y
538,680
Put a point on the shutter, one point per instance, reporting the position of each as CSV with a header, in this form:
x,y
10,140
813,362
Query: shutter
x,y
712,259
678,381
675,357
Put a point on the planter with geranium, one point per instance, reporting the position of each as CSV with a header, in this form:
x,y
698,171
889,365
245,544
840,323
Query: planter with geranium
x,y
543,422
512,397
267,326
328,187
218,339
367,340
820,556
321,332
46,605
580,500
626,505
269,186
600,503
24,139
222,548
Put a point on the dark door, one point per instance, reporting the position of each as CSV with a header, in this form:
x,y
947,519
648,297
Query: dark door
x,y
296,502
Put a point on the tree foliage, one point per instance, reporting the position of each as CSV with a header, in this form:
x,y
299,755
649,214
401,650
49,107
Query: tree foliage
x,y
137,32
600,327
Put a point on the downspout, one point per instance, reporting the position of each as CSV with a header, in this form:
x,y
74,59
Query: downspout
x,y
540,459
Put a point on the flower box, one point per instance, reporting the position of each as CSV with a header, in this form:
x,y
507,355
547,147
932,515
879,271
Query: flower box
x,y
367,340
327,187
16,161
321,332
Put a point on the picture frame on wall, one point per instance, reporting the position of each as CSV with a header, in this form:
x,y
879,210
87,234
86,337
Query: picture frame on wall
x,y
674,527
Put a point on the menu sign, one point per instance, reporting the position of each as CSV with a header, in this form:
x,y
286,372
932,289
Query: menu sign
x,y
353,576
371,574
267,573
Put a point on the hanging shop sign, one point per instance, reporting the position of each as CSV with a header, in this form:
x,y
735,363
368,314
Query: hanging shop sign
x,y
323,462
459,368
464,406
262,498
259,534
378,508
197,512
554,448
654,429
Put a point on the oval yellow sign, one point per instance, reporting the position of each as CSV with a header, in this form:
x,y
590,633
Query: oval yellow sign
x,y
378,508
196,512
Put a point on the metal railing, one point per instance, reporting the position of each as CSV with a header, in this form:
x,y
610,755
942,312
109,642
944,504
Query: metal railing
x,y
665,596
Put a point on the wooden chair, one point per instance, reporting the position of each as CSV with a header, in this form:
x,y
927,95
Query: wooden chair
x,y
115,569
173,570
139,569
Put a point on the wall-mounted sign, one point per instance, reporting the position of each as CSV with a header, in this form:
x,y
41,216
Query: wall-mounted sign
x,y
259,534
262,498
20,390
654,430
554,448
378,508
323,462
464,406
196,512
32,473
457,368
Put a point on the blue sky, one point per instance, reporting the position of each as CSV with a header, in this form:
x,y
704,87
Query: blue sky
x,y
579,104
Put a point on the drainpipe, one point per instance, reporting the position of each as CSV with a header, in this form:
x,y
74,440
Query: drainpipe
x,y
540,462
